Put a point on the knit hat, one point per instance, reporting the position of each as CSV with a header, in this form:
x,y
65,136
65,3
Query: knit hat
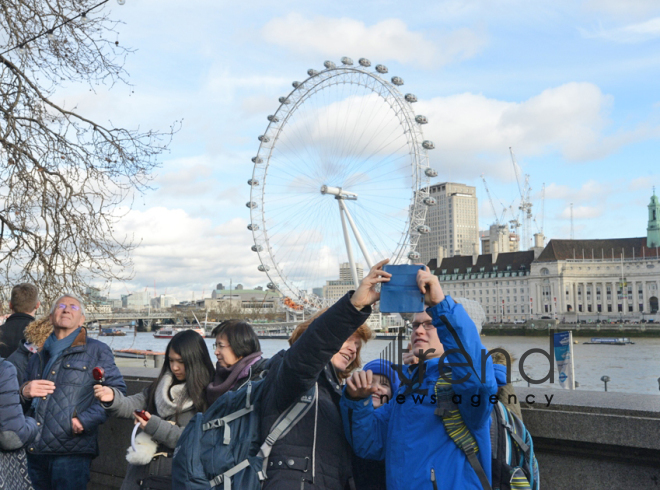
x,y
384,367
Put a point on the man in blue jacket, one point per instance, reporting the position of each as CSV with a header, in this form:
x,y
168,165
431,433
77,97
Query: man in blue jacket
x,y
60,396
409,433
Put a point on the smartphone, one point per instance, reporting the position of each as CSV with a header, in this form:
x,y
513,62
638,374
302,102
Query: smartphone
x,y
142,414
401,294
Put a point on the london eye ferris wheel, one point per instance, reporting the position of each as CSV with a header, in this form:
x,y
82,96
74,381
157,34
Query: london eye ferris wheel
x,y
341,175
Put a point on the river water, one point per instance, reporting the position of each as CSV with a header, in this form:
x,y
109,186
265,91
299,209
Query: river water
x,y
631,368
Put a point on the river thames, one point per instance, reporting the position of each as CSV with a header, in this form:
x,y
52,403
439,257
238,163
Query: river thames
x,y
632,368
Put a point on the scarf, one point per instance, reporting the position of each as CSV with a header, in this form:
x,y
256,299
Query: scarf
x,y
54,348
168,395
226,378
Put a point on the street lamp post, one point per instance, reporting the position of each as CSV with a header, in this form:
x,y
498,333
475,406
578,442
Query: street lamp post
x,y
605,379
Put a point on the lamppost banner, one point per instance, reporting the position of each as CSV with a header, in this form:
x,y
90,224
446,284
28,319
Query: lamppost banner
x,y
563,343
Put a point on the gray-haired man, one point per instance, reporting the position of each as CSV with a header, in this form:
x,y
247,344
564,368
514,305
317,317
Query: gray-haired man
x,y
60,395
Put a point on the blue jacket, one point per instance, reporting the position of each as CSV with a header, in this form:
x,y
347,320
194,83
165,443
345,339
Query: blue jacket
x,y
73,397
406,432
15,429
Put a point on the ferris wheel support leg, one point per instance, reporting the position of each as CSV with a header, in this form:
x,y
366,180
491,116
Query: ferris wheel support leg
x,y
358,237
349,247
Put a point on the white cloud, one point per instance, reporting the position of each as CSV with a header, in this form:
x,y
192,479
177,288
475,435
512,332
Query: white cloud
x,y
623,9
632,33
582,212
590,190
644,183
181,252
472,133
389,39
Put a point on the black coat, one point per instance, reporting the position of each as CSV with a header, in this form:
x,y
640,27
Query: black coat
x,y
316,446
20,359
11,332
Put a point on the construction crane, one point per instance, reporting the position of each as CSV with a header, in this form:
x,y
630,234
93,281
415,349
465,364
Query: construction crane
x,y
525,206
498,221
539,228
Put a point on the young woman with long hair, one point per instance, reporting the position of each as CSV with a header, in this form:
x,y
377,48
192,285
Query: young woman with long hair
x,y
168,403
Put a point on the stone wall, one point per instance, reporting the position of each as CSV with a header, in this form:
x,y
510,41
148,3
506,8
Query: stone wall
x,y
582,439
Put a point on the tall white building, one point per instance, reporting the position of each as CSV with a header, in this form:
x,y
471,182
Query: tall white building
x,y
334,290
454,222
506,241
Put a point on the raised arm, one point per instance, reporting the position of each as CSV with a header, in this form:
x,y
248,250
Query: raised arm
x,y
307,357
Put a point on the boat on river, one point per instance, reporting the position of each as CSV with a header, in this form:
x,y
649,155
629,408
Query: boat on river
x,y
169,332
610,341
111,332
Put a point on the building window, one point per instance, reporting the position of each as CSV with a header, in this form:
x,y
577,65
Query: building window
x,y
609,308
620,308
545,272
589,308
580,308
641,307
600,308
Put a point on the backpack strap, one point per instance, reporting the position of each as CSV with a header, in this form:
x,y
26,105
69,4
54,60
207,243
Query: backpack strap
x,y
506,422
224,421
225,477
284,423
456,428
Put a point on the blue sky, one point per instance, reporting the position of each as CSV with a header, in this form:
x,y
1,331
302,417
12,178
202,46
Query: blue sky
x,y
571,86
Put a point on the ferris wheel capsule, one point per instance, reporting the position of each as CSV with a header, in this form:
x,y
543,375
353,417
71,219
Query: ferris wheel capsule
x,y
263,268
421,119
295,84
381,68
251,204
431,172
329,65
430,201
364,62
271,286
410,98
397,81
257,160
423,229
347,61
263,138
312,72
428,144
273,119
415,255
284,100
257,248
253,227
253,182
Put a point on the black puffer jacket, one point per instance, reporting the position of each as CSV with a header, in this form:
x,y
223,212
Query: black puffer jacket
x,y
315,453
11,332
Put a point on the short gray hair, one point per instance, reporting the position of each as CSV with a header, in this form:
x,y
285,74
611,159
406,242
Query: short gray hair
x,y
69,295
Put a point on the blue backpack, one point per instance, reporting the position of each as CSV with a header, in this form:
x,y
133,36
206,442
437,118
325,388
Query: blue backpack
x,y
514,463
222,446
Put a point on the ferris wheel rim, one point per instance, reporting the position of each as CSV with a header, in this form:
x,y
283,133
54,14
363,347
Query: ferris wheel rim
x,y
418,162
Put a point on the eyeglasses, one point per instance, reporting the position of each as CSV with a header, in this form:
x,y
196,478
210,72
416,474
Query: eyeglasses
x,y
62,306
218,346
428,325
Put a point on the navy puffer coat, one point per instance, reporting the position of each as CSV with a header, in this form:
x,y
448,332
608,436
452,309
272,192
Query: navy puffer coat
x,y
15,429
73,397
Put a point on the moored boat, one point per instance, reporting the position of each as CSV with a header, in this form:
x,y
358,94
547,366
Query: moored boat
x,y
610,341
169,332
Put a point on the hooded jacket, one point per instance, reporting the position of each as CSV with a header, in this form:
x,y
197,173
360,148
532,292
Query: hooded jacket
x,y
315,453
15,429
407,433
73,397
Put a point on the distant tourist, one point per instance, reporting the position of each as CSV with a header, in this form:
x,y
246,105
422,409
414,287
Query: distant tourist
x,y
168,403
35,334
60,395
238,351
24,304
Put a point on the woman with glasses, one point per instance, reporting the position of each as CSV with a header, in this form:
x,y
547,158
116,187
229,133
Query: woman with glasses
x,y
162,410
239,358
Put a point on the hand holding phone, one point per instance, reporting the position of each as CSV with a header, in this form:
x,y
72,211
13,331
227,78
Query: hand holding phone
x,y
142,414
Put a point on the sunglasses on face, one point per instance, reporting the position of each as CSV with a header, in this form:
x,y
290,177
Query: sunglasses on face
x,y
62,306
